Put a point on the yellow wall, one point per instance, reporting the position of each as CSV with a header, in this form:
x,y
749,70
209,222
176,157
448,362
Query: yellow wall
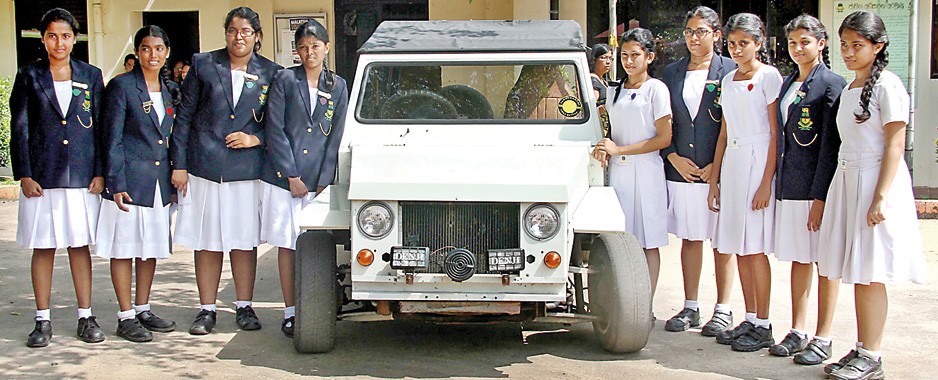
x,y
7,39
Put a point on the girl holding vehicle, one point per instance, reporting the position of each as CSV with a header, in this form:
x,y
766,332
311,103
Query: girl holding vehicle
x,y
744,165
304,126
640,117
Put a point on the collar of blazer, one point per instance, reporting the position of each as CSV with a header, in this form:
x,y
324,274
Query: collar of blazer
x,y
708,97
223,69
147,103
302,86
802,92
80,83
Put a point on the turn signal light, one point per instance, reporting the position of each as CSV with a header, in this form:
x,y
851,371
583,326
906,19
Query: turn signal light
x,y
552,260
365,257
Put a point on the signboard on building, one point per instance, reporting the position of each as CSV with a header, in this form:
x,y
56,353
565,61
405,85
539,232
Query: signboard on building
x,y
286,25
896,14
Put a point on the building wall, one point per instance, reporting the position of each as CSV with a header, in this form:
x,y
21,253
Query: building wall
x,y
7,39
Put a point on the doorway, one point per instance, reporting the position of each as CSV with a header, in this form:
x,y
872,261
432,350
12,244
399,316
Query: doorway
x,y
183,30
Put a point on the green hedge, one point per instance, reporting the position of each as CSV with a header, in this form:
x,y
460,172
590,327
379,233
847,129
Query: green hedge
x,y
6,85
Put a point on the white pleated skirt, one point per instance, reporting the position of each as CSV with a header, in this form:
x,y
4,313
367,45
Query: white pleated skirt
x,y
793,241
61,218
640,186
219,216
889,252
739,229
142,232
280,213
688,215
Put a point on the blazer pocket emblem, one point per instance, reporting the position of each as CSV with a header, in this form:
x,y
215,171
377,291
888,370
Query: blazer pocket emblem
x,y
147,105
263,97
330,111
805,123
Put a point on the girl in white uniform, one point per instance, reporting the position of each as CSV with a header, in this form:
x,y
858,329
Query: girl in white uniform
x,y
745,164
870,229
640,118
133,229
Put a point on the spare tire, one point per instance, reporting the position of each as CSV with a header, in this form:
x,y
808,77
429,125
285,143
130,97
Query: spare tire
x,y
469,102
418,105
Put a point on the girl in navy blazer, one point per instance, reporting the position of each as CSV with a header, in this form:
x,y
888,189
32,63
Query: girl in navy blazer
x,y
134,223
694,84
54,148
304,125
217,154
807,156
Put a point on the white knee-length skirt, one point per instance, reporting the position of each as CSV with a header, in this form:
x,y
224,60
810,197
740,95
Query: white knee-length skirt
x,y
219,216
141,232
688,215
739,229
280,213
889,252
640,186
793,241
61,218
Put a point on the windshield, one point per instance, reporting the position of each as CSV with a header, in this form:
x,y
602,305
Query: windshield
x,y
471,93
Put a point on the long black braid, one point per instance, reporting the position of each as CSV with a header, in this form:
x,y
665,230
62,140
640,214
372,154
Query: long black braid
x,y
868,25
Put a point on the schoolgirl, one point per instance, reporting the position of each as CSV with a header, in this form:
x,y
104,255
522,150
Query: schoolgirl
x,y
807,146
694,85
640,118
55,155
870,228
216,155
600,61
304,125
745,166
133,228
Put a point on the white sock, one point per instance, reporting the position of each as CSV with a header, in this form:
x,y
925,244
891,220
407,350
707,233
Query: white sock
x,y
870,354
84,313
209,307
289,312
43,315
751,318
764,323
822,339
800,334
141,308
243,303
125,315
722,308
691,304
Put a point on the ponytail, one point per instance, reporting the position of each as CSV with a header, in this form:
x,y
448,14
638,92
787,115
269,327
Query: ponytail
x,y
882,59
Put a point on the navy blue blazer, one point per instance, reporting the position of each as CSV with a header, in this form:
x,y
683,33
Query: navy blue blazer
x,y
137,144
207,114
695,139
298,144
809,141
56,148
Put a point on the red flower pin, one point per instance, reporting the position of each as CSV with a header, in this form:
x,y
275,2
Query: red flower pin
x,y
750,87
169,111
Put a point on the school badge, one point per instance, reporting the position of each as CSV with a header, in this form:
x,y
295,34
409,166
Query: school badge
x,y
799,95
86,105
330,110
263,97
805,122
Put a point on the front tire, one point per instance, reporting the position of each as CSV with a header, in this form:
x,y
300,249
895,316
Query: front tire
x,y
316,286
619,292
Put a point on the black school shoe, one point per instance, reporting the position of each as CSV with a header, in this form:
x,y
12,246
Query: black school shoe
x,y
287,326
132,330
204,323
89,331
247,319
814,353
755,339
828,369
728,336
684,320
154,323
860,368
717,324
41,334
792,344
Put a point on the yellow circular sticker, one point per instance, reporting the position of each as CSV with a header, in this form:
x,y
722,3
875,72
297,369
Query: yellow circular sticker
x,y
569,106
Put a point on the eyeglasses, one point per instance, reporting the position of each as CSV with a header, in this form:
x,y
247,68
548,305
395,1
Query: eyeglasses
x,y
700,33
243,32
605,57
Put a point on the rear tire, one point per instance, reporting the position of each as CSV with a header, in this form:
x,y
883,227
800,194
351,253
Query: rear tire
x,y
619,292
316,286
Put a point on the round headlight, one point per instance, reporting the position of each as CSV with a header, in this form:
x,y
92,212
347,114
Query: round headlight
x,y
541,221
375,220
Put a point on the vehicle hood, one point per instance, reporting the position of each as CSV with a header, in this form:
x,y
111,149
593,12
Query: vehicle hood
x,y
533,173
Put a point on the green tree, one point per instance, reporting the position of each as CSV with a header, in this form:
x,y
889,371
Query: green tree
x,y
6,86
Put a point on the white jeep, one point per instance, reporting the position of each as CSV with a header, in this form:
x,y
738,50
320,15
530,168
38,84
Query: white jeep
x,y
466,191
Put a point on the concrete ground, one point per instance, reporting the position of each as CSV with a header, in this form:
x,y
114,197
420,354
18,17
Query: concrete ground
x,y
393,349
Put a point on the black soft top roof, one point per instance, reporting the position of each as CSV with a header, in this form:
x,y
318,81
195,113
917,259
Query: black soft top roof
x,y
474,36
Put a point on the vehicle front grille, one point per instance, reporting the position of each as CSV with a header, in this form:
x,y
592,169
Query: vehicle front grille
x,y
475,226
